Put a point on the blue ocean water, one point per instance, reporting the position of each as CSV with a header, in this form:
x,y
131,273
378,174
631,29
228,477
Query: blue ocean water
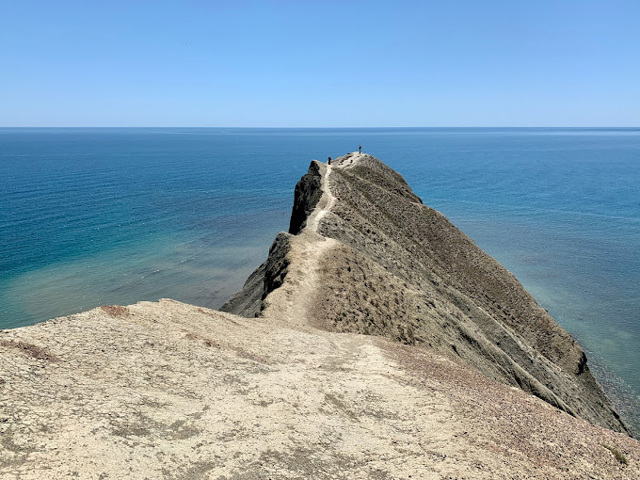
x,y
113,216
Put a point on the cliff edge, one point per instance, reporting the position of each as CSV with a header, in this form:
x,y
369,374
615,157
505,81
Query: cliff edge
x,y
376,341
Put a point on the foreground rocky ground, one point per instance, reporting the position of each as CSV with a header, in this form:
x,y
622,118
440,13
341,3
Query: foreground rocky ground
x,y
174,391
168,390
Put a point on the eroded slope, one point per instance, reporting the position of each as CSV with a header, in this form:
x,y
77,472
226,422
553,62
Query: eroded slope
x,y
407,272
402,270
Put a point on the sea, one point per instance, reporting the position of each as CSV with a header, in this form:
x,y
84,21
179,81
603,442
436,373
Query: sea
x,y
101,216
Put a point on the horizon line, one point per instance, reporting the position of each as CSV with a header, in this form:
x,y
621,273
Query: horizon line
x,y
313,128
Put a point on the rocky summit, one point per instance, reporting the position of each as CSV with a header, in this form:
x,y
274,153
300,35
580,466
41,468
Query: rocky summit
x,y
376,341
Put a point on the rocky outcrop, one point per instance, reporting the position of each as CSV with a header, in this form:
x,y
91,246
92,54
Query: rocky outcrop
x,y
306,196
403,271
248,302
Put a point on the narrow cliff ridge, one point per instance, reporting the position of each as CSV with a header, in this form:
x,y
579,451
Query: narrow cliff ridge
x,y
376,341
401,270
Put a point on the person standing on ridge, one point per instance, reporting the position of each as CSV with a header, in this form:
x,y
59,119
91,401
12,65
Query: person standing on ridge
x,y
329,161
359,148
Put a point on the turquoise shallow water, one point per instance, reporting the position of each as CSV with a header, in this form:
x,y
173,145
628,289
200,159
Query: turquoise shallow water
x,y
113,216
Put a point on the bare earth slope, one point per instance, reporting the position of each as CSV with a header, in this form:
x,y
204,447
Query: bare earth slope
x,y
168,390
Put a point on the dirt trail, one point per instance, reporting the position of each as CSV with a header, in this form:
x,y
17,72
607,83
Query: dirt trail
x,y
327,201
292,301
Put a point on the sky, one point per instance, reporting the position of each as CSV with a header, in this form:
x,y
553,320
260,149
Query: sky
x,y
305,63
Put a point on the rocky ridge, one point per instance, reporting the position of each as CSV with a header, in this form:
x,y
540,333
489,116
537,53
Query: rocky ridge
x,y
403,271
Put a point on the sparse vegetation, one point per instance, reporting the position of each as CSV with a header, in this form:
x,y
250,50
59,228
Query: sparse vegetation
x,y
618,454
116,310
39,353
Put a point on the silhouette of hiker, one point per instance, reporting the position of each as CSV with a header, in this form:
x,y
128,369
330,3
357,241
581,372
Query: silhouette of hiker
x,y
359,148
329,161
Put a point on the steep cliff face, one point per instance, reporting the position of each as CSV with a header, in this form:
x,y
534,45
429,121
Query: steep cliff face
x,y
306,196
402,270
248,302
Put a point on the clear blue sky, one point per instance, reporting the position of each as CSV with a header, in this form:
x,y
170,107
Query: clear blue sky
x,y
320,63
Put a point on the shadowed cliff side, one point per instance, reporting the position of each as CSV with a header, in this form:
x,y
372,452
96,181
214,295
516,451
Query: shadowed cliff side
x,y
402,270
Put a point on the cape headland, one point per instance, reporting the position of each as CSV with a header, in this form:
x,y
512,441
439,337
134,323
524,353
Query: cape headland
x,y
376,341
